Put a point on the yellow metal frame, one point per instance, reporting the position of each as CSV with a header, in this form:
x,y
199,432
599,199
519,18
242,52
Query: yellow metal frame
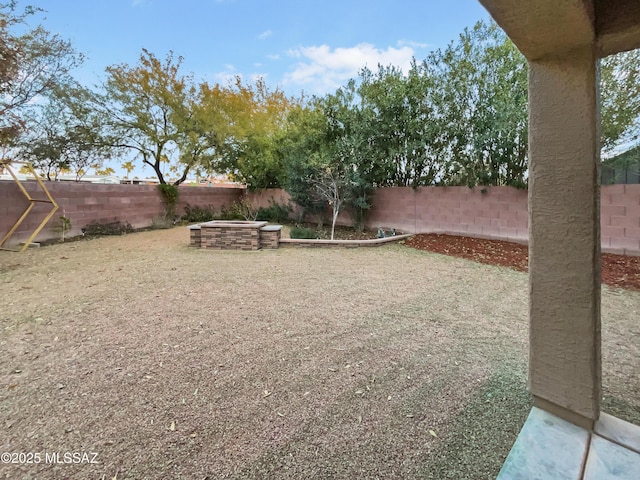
x,y
32,202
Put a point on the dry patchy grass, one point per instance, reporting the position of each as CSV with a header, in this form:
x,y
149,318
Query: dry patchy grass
x,y
173,362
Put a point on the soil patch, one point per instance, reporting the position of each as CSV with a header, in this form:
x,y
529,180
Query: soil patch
x,y
617,270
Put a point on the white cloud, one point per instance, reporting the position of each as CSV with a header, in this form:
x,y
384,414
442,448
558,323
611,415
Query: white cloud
x,y
227,76
138,3
411,43
264,35
273,56
322,69
258,76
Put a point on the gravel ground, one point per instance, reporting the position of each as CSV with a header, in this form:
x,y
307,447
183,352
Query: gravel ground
x,y
178,363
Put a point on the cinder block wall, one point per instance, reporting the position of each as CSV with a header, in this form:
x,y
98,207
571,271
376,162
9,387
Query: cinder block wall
x,y
620,218
84,203
261,198
490,212
498,212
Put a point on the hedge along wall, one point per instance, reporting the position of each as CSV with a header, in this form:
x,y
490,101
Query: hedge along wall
x,y
84,203
490,212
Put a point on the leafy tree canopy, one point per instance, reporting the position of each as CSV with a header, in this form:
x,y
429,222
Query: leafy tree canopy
x,y
32,64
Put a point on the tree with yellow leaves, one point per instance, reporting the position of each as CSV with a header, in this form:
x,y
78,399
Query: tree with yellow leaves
x,y
152,110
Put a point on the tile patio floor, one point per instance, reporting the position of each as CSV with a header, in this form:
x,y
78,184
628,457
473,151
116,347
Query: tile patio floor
x,y
549,448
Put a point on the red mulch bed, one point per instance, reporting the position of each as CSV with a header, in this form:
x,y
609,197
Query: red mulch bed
x,y
617,270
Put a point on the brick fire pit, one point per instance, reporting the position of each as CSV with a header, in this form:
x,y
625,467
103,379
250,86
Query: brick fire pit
x,y
235,235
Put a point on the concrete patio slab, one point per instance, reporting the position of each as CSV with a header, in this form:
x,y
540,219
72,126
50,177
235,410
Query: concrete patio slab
x,y
546,448
609,461
550,448
619,431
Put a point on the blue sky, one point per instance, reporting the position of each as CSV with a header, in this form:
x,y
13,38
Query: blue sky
x,y
299,46
311,46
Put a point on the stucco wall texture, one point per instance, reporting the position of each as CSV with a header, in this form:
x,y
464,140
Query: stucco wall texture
x,y
498,212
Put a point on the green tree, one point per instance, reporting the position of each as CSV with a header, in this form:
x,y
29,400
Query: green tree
x,y
351,153
129,167
403,134
255,119
153,110
32,64
105,171
321,151
63,134
481,104
303,147
46,147
620,100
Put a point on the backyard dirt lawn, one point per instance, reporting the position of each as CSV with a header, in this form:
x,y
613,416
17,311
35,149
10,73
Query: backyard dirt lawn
x,y
172,362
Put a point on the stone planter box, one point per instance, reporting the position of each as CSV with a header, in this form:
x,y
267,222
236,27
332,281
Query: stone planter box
x,y
270,236
234,235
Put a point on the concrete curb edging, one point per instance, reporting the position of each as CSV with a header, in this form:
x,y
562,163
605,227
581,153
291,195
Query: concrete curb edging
x,y
314,243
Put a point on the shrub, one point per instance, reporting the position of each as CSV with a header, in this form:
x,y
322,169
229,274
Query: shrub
x,y
109,228
161,222
229,214
275,212
244,210
170,198
64,226
197,214
303,233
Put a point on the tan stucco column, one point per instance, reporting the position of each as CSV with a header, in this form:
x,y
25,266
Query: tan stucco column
x,y
564,237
